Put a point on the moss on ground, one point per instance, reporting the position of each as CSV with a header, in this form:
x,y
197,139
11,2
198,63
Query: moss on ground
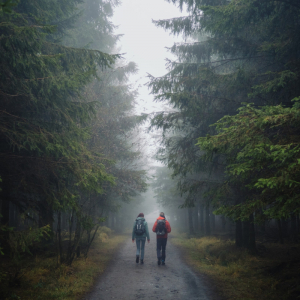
x,y
272,274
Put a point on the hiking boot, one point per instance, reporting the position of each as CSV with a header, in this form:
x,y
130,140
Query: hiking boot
x,y
142,261
158,261
162,262
137,259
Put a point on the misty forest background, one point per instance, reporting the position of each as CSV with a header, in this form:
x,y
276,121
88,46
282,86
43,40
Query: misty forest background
x,y
72,149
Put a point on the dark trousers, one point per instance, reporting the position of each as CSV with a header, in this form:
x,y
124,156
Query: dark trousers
x,y
161,244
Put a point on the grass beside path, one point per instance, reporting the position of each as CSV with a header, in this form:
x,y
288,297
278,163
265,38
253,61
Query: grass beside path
x,y
41,279
273,274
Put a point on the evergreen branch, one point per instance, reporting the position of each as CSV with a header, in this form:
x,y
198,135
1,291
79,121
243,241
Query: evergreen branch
x,y
11,95
33,79
176,18
287,2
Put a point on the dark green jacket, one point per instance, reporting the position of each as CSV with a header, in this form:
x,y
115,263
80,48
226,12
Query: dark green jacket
x,y
146,233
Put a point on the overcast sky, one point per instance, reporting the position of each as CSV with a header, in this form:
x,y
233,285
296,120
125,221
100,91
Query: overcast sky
x,y
144,43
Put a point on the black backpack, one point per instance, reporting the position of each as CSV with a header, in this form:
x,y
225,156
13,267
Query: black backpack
x,y
161,227
140,227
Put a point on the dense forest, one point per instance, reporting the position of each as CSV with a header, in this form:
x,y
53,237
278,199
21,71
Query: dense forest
x,y
231,140
69,137
71,154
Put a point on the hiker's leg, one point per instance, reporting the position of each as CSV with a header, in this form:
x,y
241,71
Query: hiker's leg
x,y
143,241
163,246
158,248
138,243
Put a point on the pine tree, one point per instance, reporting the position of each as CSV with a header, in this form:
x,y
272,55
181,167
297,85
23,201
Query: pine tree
x,y
237,51
42,112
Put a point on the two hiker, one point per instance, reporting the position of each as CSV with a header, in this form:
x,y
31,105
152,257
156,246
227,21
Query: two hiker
x,y
140,232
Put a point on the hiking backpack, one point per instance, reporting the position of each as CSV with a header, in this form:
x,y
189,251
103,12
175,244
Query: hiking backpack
x,y
139,227
161,227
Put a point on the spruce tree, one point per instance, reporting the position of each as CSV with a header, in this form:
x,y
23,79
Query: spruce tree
x,y
42,112
237,51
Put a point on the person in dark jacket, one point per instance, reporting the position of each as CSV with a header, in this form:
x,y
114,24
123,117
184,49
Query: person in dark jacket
x,y
162,228
140,237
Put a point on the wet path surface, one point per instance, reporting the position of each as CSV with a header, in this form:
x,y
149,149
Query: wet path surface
x,y
125,279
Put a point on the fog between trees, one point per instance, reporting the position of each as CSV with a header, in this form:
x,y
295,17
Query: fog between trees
x,y
71,150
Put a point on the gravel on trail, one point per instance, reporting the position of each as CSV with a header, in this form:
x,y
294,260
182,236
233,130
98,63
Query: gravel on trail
x,y
126,280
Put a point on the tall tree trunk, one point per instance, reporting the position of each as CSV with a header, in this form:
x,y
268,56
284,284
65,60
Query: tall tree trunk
x,y
284,228
263,224
294,233
46,215
251,241
238,233
120,222
207,220
71,223
5,211
201,218
190,220
5,201
280,231
13,213
59,240
196,218
213,221
186,220
246,227
223,220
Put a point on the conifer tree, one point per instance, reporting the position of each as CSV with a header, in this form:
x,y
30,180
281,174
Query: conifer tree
x,y
42,112
236,51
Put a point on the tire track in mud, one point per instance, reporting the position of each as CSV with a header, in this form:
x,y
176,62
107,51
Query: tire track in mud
x,y
127,280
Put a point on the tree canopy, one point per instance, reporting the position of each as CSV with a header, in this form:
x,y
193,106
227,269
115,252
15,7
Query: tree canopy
x,y
234,52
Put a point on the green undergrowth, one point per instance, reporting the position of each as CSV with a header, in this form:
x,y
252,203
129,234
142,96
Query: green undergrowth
x,y
41,278
272,274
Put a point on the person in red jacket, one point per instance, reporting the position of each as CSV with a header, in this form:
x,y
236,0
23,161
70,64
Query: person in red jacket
x,y
162,228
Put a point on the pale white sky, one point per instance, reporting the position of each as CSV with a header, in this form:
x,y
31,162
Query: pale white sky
x,y
144,43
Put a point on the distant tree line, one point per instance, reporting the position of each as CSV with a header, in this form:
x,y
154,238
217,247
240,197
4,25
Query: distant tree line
x,y
67,127
232,136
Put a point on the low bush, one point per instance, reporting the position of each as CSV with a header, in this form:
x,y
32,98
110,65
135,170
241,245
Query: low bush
x,y
42,278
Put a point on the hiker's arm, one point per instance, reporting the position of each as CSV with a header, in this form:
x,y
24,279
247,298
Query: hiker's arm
x,y
133,235
147,232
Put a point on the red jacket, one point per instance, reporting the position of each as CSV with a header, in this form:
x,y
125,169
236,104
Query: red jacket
x,y
168,227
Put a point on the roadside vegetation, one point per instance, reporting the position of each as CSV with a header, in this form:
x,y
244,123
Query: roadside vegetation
x,y
230,142
69,141
271,274
42,278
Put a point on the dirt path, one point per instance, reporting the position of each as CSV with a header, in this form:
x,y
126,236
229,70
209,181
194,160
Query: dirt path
x,y
125,279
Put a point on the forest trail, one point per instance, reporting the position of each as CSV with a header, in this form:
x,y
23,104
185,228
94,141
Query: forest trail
x,y
127,280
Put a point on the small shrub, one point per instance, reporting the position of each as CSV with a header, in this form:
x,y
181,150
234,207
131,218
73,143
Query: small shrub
x,y
103,237
104,229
